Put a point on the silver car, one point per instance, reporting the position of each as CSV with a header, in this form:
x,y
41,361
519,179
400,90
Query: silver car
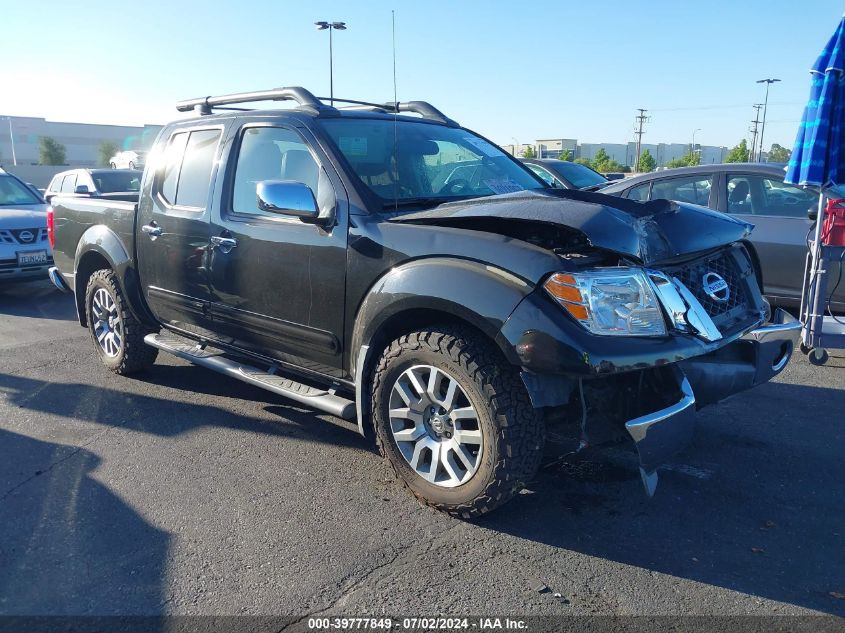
x,y
755,193
24,247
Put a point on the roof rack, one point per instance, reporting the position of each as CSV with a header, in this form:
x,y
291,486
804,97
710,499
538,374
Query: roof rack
x,y
205,105
423,108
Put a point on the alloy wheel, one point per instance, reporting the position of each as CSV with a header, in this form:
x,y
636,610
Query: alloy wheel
x,y
435,426
108,326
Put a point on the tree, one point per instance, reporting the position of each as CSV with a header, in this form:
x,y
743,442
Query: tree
x,y
582,161
603,163
528,152
566,155
778,154
690,159
647,162
50,151
738,154
106,150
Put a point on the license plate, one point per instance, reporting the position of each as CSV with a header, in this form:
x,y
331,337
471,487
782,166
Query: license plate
x,y
32,258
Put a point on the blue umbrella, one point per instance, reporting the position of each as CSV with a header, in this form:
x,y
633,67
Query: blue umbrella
x,y
816,158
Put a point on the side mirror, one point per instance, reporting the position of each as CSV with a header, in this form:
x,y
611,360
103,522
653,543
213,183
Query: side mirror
x,y
287,197
82,189
813,212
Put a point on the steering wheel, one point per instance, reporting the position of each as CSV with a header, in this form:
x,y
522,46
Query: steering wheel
x,y
456,187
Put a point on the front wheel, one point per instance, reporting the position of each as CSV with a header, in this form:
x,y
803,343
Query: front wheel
x,y
117,335
454,420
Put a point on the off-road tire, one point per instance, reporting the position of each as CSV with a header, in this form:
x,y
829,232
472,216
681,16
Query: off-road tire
x,y
134,355
513,431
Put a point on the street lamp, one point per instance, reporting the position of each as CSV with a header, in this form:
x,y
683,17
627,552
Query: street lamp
x,y
331,26
12,139
692,146
768,83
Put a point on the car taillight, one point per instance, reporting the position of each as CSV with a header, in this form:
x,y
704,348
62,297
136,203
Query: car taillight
x,y
51,227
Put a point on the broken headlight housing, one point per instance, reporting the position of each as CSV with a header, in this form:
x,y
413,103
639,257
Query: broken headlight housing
x,y
609,301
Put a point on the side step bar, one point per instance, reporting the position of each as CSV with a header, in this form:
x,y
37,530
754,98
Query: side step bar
x,y
314,397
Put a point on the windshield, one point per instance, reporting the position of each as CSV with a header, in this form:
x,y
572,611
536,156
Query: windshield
x,y
431,163
117,180
579,175
13,192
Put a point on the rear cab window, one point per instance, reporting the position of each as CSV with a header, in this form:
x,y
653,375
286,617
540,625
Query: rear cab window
x,y
185,178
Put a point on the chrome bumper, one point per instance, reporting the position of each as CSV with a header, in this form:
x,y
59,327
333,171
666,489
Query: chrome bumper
x,y
57,279
755,358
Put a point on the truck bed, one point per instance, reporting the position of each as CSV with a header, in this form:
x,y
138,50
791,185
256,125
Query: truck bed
x,y
74,216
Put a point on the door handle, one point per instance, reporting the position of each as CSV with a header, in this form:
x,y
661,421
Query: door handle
x,y
225,243
152,230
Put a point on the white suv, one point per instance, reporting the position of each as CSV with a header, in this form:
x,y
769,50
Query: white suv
x,y
24,249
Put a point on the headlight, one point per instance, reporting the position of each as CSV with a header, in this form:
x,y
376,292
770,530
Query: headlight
x,y
610,301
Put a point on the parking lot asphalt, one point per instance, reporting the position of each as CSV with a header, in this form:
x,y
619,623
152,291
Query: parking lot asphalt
x,y
183,492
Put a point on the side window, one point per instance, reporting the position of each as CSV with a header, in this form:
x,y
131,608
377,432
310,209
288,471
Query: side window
x,y
758,195
172,162
639,193
69,183
692,189
195,175
273,153
55,184
188,161
546,176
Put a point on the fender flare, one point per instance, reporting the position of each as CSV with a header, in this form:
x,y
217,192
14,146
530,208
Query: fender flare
x,y
103,241
474,292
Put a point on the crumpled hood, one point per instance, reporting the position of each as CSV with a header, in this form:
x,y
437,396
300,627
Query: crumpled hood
x,y
24,216
647,231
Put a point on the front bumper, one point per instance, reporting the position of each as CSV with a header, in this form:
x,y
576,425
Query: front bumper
x,y
751,360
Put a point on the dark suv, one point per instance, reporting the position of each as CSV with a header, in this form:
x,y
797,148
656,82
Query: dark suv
x,y
384,264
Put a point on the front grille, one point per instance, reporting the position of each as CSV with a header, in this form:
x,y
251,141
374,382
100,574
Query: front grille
x,y
724,313
23,236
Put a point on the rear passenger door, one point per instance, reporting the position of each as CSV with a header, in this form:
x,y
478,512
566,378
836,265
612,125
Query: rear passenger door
x,y
172,228
278,283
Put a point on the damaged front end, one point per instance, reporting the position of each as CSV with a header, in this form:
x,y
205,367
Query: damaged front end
x,y
647,388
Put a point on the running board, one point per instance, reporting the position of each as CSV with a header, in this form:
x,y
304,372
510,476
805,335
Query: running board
x,y
210,358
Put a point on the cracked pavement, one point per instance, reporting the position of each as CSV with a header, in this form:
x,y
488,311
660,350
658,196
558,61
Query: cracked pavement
x,y
183,492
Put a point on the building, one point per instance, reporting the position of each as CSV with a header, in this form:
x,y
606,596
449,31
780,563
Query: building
x,y
553,148
622,153
20,137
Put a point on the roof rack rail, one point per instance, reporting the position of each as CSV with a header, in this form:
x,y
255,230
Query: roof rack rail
x,y
423,108
303,97
205,105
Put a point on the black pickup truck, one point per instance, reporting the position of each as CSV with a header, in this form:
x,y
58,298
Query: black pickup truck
x,y
382,263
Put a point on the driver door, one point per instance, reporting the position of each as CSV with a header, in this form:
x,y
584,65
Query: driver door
x,y
278,283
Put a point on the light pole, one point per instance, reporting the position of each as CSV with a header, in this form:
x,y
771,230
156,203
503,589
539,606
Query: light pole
x,y
692,145
768,83
331,26
12,139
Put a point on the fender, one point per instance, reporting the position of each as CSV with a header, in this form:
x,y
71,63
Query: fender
x,y
479,294
103,241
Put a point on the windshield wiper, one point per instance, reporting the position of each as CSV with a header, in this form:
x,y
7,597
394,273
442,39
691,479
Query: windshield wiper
x,y
404,203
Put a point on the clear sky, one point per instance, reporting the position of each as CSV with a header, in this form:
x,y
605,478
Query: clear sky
x,y
509,70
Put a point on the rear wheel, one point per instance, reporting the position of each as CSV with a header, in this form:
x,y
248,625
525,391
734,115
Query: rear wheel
x,y
131,165
117,335
453,419
112,165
